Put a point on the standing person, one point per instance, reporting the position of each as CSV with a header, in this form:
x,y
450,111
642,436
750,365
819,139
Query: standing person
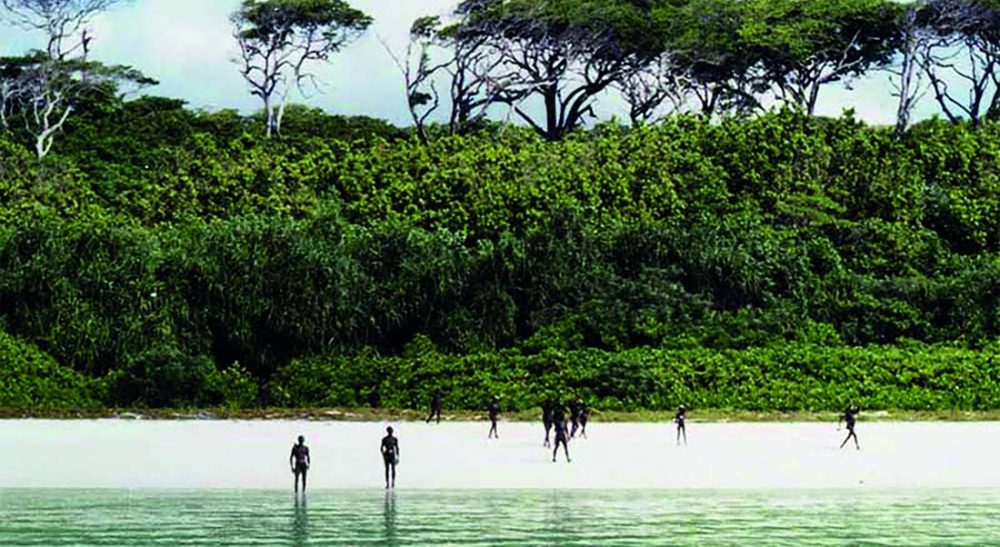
x,y
435,407
494,411
299,461
680,419
547,420
574,416
562,431
584,418
850,417
390,456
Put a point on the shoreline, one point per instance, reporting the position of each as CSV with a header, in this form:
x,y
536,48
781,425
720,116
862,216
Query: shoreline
x,y
396,415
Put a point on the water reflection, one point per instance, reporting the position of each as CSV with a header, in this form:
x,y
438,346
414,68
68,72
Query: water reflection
x,y
300,521
82,518
389,517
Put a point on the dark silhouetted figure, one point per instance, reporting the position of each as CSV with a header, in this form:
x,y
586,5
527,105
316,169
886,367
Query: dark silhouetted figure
x,y
494,412
547,421
574,417
435,407
850,417
390,456
584,418
562,431
299,461
680,419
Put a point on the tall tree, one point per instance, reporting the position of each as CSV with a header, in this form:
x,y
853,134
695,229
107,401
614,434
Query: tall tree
x,y
562,53
962,60
43,87
475,81
64,22
279,39
907,76
804,45
42,93
706,41
649,83
419,72
439,52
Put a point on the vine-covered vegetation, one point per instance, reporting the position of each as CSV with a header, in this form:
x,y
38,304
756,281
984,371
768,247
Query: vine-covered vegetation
x,y
166,257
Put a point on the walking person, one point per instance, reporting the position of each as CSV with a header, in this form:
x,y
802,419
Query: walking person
x,y
680,418
574,416
494,412
562,431
299,462
390,457
435,413
850,417
584,418
547,421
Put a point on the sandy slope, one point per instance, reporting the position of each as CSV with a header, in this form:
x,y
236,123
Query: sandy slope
x,y
230,454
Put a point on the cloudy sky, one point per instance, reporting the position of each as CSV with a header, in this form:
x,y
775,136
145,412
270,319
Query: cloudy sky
x,y
187,45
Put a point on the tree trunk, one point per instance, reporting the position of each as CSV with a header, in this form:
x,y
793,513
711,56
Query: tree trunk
x,y
269,111
551,113
280,116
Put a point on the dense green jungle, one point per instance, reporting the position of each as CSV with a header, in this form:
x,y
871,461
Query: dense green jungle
x,y
166,257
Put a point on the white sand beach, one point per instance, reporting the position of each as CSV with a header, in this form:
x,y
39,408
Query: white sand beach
x,y
254,455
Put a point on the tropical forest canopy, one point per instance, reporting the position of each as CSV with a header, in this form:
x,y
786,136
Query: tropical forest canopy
x,y
723,248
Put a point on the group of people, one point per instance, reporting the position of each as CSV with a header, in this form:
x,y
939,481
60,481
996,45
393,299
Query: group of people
x,y
554,417
300,461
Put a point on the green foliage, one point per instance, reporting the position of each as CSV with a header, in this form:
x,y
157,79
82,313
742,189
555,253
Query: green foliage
x,y
806,42
269,21
789,377
234,386
738,52
368,272
85,290
162,378
561,52
41,89
29,378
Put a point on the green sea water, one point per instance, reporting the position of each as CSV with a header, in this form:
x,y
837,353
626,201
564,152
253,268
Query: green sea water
x,y
489,517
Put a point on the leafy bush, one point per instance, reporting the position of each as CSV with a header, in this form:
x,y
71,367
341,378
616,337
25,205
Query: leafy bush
x,y
163,378
786,377
234,386
29,378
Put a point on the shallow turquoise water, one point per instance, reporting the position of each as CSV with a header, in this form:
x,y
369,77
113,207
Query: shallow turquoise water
x,y
489,517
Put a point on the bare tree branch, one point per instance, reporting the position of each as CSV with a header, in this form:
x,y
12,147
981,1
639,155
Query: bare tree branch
x,y
63,21
962,46
906,74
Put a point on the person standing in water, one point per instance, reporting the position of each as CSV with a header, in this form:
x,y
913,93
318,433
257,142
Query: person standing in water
x,y
299,461
547,420
562,431
390,457
680,419
494,411
850,417
435,407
